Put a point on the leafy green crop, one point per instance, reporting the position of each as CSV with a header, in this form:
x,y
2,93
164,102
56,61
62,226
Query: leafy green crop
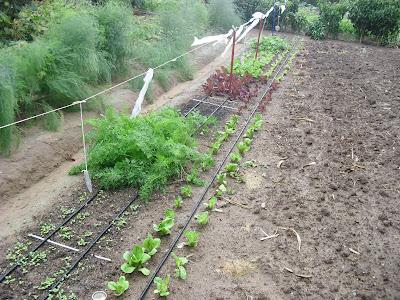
x,y
162,286
221,178
180,262
211,203
235,157
192,238
231,167
135,259
165,226
151,244
271,44
193,178
186,191
120,286
142,152
202,218
178,202
242,147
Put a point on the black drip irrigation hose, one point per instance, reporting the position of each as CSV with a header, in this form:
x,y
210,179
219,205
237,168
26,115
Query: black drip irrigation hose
x,y
194,106
176,240
93,243
40,244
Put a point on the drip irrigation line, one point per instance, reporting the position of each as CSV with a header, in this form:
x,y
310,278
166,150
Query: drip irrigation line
x,y
46,238
101,92
86,251
194,107
176,240
93,243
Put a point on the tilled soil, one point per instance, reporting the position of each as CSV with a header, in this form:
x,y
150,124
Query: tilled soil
x,y
328,166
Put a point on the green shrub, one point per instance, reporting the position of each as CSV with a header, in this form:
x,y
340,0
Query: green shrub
x,y
249,7
316,30
115,23
381,18
143,152
330,16
222,15
346,27
306,16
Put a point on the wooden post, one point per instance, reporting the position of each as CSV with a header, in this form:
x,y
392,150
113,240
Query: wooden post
x,y
259,36
232,59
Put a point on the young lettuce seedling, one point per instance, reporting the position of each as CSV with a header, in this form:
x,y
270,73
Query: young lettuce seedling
x,y
178,202
180,262
247,141
207,162
194,179
165,226
235,157
162,286
118,287
250,133
202,218
151,244
215,147
186,191
221,178
211,203
231,167
192,238
242,147
135,260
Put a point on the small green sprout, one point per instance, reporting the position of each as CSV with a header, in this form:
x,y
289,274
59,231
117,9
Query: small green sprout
x,y
45,228
48,282
192,238
162,286
118,287
186,191
202,218
180,262
211,203
178,202
247,141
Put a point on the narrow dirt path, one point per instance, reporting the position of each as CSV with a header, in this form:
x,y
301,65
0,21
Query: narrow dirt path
x,y
327,166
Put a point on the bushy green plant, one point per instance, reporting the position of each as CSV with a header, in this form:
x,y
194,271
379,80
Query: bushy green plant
x,y
381,18
330,16
142,152
222,15
306,16
316,30
115,21
118,287
346,27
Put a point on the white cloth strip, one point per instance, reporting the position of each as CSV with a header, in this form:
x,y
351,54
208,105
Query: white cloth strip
x,y
215,104
138,105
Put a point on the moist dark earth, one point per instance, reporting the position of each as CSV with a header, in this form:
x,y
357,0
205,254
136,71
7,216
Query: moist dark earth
x,y
325,165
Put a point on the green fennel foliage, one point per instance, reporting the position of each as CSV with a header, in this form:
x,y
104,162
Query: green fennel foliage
x,y
143,152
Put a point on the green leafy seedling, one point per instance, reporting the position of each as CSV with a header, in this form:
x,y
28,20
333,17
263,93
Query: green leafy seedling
x,y
250,133
247,141
178,202
118,287
207,162
151,244
162,286
215,147
192,238
242,147
165,226
180,262
211,203
235,157
194,179
186,191
221,178
135,260
231,167
202,218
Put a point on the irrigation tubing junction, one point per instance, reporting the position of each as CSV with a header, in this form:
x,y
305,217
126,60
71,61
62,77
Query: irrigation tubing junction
x,y
176,240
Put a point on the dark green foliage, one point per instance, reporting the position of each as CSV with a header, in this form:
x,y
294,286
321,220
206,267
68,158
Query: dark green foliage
x,y
143,152
316,30
222,15
381,18
330,16
249,7
114,22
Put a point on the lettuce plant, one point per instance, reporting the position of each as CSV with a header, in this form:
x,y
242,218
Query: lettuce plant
x,y
193,178
165,226
135,260
215,147
210,205
178,202
242,147
192,238
162,286
235,157
202,218
231,167
247,141
221,178
186,191
180,262
118,287
151,244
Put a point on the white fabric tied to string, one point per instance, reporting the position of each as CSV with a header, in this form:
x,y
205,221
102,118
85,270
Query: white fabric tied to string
x,y
138,105
85,172
212,39
282,8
